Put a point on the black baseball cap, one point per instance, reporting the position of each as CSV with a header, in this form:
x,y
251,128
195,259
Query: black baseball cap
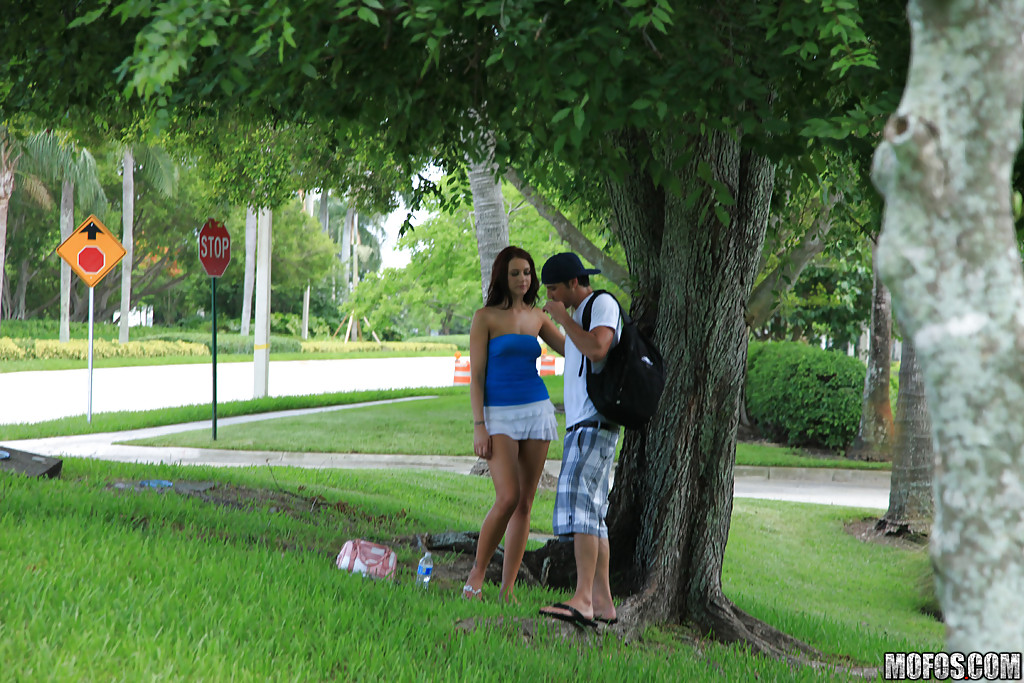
x,y
564,267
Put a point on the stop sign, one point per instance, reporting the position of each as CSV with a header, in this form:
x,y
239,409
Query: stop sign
x,y
214,248
91,259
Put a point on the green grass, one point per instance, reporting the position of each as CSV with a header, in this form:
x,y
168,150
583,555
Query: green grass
x,y
100,584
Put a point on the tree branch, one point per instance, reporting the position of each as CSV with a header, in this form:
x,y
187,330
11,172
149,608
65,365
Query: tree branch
x,y
576,240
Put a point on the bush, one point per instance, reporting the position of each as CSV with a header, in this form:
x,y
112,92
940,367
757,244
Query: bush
x,y
461,341
78,349
228,343
9,349
323,346
804,396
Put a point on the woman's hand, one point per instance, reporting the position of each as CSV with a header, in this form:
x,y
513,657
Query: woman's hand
x,y
481,442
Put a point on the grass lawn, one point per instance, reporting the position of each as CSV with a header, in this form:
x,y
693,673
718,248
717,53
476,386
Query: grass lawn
x,y
101,583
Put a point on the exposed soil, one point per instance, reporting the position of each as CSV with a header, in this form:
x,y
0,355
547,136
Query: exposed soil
x,y
869,531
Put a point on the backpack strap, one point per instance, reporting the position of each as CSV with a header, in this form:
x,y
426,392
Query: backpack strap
x,y
586,322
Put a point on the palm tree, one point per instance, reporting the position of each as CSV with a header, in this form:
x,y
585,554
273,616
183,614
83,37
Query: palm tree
x,y
161,173
12,151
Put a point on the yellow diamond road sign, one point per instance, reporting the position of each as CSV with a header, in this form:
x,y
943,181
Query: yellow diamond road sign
x,y
91,251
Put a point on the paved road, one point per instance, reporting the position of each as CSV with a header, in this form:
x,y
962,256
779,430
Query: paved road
x,y
36,396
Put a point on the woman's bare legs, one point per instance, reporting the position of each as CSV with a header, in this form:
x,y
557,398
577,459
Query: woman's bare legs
x,y
532,454
504,467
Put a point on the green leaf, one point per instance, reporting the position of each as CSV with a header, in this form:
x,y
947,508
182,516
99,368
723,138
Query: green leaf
x,y
640,104
209,39
308,69
374,4
368,16
723,216
88,18
561,114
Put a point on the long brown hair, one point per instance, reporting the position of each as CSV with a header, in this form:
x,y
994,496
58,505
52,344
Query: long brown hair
x,y
498,294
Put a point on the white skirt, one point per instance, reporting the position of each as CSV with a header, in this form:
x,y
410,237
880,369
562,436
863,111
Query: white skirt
x,y
525,421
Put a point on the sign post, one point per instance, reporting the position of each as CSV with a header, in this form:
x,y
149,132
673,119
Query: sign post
x,y
214,254
92,251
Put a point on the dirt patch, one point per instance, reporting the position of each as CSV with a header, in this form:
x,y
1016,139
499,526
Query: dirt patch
x,y
869,530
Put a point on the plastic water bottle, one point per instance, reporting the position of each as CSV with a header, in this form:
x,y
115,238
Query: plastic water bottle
x,y
424,570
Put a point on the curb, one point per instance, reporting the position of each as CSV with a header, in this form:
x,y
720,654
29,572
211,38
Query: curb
x,y
843,476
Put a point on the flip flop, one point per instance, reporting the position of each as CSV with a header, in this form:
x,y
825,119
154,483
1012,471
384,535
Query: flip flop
x,y
610,622
574,616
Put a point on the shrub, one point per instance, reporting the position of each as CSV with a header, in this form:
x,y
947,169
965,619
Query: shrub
x,y
78,349
9,349
228,343
803,395
323,346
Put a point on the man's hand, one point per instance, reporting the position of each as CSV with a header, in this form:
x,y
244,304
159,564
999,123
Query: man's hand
x,y
556,309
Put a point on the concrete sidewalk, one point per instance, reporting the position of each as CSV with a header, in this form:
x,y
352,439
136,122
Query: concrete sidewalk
x,y
852,488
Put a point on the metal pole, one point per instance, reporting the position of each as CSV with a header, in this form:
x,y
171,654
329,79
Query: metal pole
x,y
88,414
213,287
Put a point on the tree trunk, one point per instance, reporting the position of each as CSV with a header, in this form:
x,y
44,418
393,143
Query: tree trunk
x,y
127,240
491,221
570,234
8,162
67,225
249,278
911,500
875,436
672,500
949,254
764,299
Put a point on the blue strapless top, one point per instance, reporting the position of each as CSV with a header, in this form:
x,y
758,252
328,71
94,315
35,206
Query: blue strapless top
x,y
512,377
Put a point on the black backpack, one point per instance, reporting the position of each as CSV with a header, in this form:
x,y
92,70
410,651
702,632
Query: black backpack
x,y
629,387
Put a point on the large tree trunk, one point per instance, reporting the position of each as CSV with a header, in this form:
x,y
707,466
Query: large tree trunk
x,y
489,211
875,436
8,162
127,240
949,255
911,500
67,225
672,499
249,278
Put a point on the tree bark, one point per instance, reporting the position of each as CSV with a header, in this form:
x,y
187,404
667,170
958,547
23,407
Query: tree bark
x,y
875,436
949,254
490,219
911,500
127,240
577,241
67,225
8,162
249,278
764,298
672,500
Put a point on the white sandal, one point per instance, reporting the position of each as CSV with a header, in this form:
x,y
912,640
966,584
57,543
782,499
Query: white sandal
x,y
469,594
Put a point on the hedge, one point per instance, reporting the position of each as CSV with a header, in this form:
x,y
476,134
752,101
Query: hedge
x,y
334,346
804,396
78,349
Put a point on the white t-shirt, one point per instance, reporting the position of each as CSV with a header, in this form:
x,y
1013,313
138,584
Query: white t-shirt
x,y
578,406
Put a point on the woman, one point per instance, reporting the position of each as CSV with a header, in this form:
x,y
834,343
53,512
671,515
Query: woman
x,y
513,418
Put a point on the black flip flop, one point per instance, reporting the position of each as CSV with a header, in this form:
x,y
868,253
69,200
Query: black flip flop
x,y
574,616
609,622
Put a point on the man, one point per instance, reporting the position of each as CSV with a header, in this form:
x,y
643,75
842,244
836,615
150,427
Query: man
x,y
581,502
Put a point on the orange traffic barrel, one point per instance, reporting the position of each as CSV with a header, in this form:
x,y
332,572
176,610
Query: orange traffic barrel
x,y
547,365
461,370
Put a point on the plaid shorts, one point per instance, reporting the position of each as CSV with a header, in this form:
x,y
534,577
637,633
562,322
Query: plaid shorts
x,y
581,502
